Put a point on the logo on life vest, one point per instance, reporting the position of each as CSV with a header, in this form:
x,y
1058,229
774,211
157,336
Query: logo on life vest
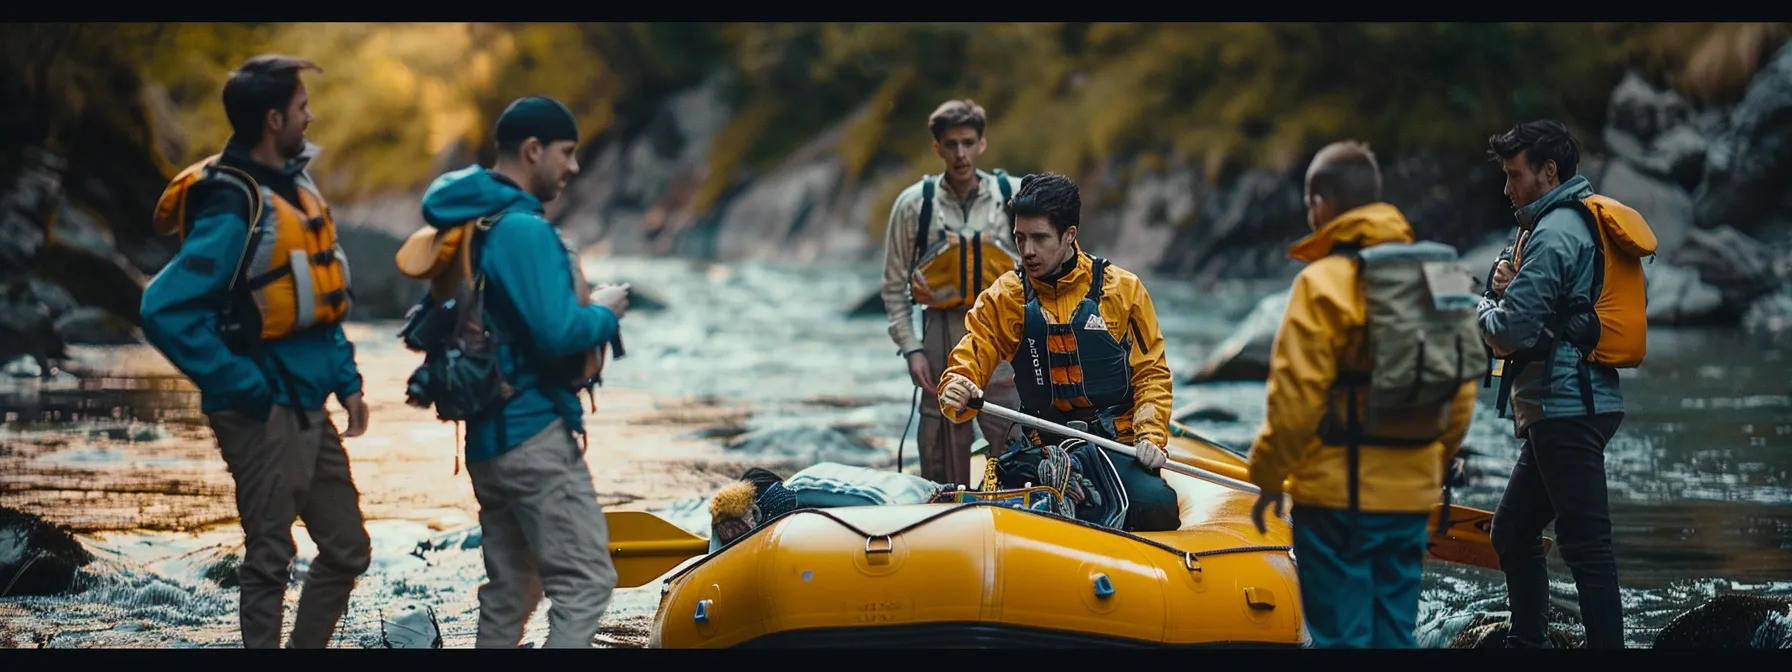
x,y
1095,323
1038,371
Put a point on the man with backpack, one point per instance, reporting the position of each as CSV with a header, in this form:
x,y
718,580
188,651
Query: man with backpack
x,y
250,309
509,339
947,240
1563,316
1371,387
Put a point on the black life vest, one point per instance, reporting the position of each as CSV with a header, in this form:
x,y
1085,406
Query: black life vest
x,y
1076,370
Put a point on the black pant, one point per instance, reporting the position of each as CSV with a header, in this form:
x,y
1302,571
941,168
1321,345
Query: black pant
x,y
1151,503
1560,476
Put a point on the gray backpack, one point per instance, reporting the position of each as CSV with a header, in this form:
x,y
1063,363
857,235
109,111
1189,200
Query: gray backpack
x,y
1423,343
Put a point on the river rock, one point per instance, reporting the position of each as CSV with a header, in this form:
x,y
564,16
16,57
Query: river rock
x,y
96,326
1665,205
1749,166
870,306
1240,229
1245,354
410,625
1651,129
37,557
381,292
1490,633
1738,265
1678,296
1729,621
1771,314
1207,414
27,329
1138,232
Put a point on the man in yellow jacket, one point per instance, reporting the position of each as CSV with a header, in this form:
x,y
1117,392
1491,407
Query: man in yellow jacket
x,y
1083,338
1359,583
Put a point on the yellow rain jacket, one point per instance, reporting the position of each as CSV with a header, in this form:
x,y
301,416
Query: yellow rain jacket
x,y
994,324
1322,327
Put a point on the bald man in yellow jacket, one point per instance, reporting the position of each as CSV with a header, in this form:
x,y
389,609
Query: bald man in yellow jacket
x,y
1359,584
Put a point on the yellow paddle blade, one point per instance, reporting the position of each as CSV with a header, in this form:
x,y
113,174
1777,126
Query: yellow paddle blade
x,y
644,546
1469,539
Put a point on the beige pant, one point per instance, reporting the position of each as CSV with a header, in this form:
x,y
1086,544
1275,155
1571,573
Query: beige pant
x,y
283,474
946,446
542,530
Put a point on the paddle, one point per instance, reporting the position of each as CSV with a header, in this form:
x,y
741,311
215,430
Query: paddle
x,y
1466,540
1233,482
644,546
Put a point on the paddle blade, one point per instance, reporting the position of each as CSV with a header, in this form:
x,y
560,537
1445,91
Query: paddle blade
x,y
644,546
1469,538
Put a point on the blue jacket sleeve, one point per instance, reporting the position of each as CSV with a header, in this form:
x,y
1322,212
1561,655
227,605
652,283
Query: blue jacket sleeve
x,y
1516,321
347,375
532,271
179,307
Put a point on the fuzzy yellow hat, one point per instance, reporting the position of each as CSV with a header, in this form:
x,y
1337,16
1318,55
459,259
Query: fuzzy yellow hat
x,y
732,502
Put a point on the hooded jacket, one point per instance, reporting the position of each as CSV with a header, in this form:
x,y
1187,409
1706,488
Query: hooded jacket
x,y
528,297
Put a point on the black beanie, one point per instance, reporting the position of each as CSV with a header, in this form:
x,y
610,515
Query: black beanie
x,y
537,117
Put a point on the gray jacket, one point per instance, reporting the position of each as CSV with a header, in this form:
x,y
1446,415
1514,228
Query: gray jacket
x,y
1555,263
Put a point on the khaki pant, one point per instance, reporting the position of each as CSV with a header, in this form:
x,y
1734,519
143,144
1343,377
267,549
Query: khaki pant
x,y
543,530
946,446
283,474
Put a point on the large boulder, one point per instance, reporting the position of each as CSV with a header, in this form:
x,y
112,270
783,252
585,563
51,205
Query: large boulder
x,y
1650,129
1730,621
36,556
1749,166
1245,354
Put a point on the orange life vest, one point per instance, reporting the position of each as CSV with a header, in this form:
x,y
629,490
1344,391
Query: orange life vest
x,y
950,272
1621,238
292,264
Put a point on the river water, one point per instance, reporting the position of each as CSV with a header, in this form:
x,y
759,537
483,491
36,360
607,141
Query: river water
x,y
756,364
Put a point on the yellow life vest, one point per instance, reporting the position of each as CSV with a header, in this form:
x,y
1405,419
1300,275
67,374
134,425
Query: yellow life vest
x,y
950,272
292,266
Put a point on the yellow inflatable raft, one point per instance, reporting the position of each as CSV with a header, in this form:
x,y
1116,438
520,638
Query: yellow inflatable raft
x,y
981,574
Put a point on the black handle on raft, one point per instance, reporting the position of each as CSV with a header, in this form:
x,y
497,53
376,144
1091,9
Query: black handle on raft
x,y
974,403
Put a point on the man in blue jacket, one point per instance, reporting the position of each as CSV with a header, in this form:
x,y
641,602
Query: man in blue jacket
x,y
1564,408
262,384
543,528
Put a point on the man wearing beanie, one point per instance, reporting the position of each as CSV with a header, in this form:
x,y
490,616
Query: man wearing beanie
x,y
543,528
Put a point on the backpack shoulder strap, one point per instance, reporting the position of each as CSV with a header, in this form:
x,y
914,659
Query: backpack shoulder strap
x,y
1591,219
1007,189
241,180
1352,251
236,177
924,223
1097,276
